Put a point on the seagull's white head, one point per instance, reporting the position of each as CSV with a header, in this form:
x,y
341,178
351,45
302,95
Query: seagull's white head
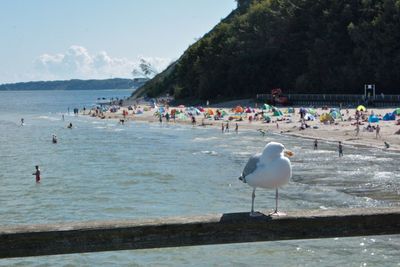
x,y
275,150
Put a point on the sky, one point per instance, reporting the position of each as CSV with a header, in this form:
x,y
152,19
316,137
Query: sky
x,y
98,39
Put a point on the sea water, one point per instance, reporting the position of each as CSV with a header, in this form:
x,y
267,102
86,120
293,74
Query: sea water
x,y
102,170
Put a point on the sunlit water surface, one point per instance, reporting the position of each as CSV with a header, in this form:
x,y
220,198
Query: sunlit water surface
x,y
101,170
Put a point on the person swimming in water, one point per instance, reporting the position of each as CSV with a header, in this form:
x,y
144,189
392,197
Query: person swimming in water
x,y
22,121
69,125
37,174
54,139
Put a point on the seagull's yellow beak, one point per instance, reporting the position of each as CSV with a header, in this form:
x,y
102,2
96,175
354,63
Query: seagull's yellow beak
x,y
288,153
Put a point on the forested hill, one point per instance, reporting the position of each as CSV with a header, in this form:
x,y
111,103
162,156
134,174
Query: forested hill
x,y
115,83
301,46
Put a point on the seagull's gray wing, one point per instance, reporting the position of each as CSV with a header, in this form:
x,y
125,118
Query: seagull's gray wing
x,y
250,167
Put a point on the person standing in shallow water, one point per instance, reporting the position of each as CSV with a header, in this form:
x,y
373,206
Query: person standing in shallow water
x,y
340,148
315,144
37,174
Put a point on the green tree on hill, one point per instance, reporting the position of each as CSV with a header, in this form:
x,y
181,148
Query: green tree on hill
x,y
302,46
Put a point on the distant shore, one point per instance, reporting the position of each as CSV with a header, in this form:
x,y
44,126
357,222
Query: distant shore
x,y
343,129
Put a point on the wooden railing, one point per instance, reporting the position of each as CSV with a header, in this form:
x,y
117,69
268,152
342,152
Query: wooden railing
x,y
36,240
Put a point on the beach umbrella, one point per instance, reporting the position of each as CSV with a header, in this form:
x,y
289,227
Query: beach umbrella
x,y
361,108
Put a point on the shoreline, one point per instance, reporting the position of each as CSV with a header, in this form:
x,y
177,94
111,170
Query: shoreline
x,y
288,124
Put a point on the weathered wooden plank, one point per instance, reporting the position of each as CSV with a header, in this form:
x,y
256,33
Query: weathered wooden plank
x,y
36,240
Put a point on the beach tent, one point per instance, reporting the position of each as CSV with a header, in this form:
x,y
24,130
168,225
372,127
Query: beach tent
x,y
277,112
326,117
161,109
397,111
312,111
223,113
335,114
239,109
389,117
290,110
373,118
182,116
210,112
266,107
181,106
266,117
361,108
248,110
309,117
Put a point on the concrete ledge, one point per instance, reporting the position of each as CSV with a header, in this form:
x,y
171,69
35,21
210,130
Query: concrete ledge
x,y
52,239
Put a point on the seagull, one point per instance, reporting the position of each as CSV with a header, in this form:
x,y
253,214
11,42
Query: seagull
x,y
269,169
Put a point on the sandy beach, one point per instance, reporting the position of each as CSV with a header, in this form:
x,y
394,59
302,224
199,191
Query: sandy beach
x,y
340,129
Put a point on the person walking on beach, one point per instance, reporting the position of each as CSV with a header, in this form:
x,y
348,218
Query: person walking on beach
x,y
378,129
223,127
340,148
193,121
315,144
236,128
357,129
22,121
37,174
227,127
63,117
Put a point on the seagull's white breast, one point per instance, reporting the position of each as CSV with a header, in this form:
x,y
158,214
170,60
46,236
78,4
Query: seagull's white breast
x,y
271,174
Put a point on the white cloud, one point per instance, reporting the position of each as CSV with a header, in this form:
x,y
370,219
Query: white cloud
x,y
78,63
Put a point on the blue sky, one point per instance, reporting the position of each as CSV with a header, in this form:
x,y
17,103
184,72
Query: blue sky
x,y
55,39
